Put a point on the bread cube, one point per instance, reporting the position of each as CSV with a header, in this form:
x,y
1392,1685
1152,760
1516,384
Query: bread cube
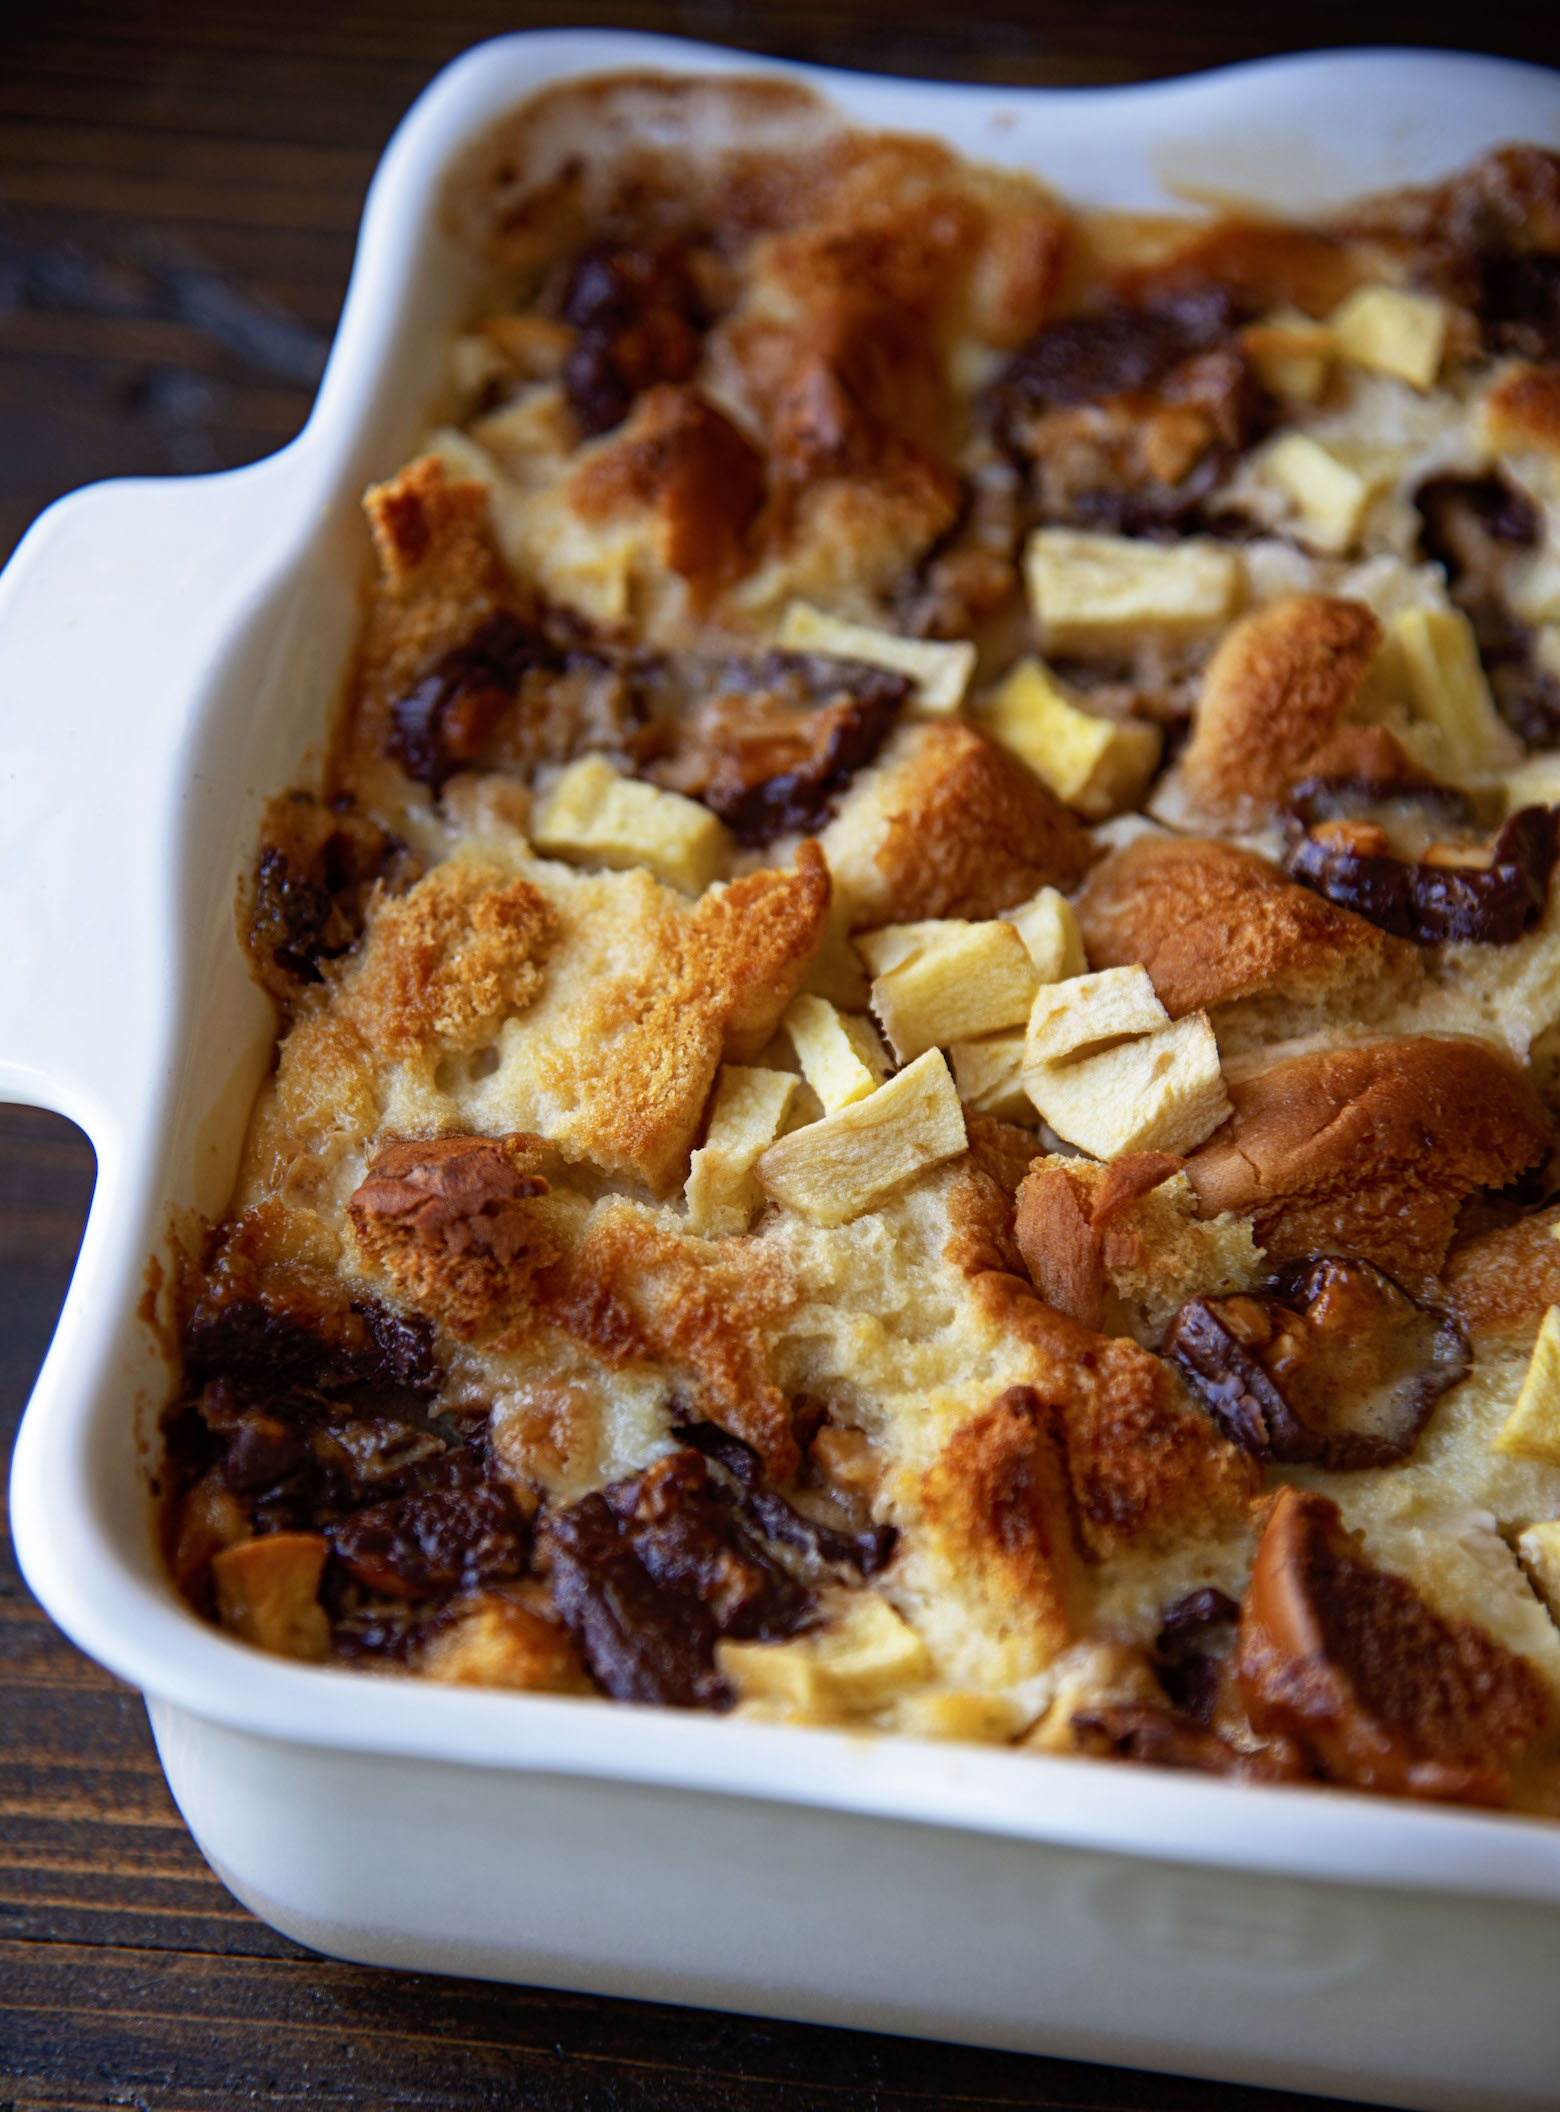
x,y
990,1077
1161,1092
1532,1430
964,984
850,1666
1328,497
750,1109
841,1058
1094,764
268,1594
1069,1019
1100,590
1048,927
940,669
593,816
1439,661
890,944
1392,331
1291,354
833,1170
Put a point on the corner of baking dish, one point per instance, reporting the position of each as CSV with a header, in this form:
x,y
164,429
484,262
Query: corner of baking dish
x,y
185,637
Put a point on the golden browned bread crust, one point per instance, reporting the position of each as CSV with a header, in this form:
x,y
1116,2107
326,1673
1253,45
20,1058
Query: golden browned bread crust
x,y
998,1505
1370,1150
1063,1225
1503,1281
453,1223
1522,410
440,575
683,461
982,1188
451,959
1146,1465
1214,924
1278,686
967,831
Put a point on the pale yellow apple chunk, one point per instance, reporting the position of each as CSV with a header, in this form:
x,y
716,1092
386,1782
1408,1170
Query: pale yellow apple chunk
x,y
972,982
833,1170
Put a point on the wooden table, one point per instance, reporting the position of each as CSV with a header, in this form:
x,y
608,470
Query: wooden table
x,y
179,187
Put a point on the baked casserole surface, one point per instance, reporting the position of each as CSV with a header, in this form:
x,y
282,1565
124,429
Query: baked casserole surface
x,y
919,1007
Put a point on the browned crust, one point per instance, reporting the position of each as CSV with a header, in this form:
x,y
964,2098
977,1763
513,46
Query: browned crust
x,y
982,1187
450,960
1063,1222
681,459
1370,1150
1146,1465
440,575
1278,686
704,1311
1213,924
971,831
1502,1282
458,1226
1523,409
998,1502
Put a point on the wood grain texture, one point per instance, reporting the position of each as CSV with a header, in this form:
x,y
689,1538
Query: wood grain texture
x,y
179,188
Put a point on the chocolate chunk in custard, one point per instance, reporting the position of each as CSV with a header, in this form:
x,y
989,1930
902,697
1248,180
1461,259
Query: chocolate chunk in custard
x,y
444,724
1491,895
782,736
1381,1690
650,1572
639,318
1335,1363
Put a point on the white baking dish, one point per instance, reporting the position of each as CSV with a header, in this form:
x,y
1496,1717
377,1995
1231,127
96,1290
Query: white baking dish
x,y
168,650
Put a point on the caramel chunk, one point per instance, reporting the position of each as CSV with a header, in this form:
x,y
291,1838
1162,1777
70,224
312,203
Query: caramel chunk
x,y
1278,686
1384,1694
1369,1151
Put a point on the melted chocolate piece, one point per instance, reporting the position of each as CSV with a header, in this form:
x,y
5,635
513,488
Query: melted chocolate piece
x,y
1334,1363
315,875
1493,905
1188,1669
444,724
782,739
649,1573
1519,305
639,321
1115,351
1162,1738
433,1542
778,1519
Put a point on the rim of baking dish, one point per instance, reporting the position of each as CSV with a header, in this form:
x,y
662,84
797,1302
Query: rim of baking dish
x,y
124,1613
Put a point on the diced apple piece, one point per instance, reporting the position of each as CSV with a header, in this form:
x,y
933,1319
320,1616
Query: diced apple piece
x,y
495,1641
1539,1550
1440,663
1532,1430
1291,353
972,982
1329,498
958,1712
595,817
268,1593
886,947
940,669
1088,590
1393,331
1048,927
841,1058
1162,1092
833,1170
1094,764
750,1109
990,1077
1087,1011
854,1664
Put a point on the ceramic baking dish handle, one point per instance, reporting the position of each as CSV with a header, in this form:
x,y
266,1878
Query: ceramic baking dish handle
x,y
112,614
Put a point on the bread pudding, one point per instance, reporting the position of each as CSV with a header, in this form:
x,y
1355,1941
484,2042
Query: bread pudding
x,y
918,1003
